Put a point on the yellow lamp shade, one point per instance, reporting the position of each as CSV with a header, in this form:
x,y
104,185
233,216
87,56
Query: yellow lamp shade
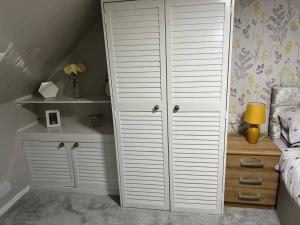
x,y
255,113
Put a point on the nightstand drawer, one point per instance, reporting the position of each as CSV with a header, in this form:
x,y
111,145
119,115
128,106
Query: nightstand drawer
x,y
251,179
250,196
252,162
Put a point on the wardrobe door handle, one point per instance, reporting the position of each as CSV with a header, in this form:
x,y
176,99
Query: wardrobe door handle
x,y
249,197
76,145
176,108
156,108
257,164
251,181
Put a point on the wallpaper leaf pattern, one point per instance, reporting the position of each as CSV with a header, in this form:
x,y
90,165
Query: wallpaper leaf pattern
x,y
266,53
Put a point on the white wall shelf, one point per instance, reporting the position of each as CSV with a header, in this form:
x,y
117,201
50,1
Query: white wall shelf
x,y
62,100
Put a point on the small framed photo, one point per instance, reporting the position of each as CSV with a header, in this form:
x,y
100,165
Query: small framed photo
x,y
53,118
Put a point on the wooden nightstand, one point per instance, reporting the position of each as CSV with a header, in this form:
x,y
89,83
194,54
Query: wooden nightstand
x,y
251,178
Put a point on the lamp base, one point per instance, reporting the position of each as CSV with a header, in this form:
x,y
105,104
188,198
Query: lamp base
x,y
253,134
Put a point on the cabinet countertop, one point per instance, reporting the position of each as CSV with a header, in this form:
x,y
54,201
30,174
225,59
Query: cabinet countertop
x,y
68,131
238,145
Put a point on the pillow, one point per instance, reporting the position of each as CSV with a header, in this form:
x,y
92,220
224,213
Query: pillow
x,y
285,135
285,138
290,121
283,122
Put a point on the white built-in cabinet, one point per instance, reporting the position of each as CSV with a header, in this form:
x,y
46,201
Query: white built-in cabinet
x,y
65,164
168,63
73,158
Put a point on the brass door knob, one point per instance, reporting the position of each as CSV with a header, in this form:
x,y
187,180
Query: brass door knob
x,y
156,107
61,145
76,145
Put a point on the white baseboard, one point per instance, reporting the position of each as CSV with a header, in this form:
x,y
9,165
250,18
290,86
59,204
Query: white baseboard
x,y
76,190
16,198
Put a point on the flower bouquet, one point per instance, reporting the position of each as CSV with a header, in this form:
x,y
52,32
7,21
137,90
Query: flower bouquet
x,y
74,70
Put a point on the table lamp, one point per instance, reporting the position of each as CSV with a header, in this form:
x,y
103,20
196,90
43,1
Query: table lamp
x,y
255,115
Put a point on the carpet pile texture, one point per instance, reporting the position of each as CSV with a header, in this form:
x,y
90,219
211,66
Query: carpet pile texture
x,y
58,208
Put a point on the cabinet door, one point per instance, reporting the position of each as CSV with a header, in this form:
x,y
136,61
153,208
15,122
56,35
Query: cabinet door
x,y
49,163
197,70
136,49
95,166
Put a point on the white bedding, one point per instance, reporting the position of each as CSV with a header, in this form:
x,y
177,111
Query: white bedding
x,y
289,166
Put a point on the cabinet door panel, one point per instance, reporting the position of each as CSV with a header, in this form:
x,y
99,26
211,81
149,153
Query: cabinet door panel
x,y
197,35
136,49
95,166
49,164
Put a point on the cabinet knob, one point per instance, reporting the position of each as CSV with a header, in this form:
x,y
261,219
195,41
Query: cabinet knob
x,y
176,108
61,145
76,145
156,108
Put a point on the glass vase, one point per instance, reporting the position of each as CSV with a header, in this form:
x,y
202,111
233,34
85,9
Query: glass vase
x,y
76,89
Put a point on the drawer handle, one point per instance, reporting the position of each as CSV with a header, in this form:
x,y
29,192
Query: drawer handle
x,y
251,181
257,164
249,197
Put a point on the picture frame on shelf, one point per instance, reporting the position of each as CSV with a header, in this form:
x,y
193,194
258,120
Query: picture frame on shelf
x,y
53,118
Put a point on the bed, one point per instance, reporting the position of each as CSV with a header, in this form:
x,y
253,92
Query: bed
x,y
288,201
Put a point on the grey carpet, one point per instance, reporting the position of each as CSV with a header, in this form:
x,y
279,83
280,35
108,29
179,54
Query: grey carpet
x,y
57,208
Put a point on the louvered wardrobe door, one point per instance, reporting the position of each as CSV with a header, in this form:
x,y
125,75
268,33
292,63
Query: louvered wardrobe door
x,y
198,34
136,49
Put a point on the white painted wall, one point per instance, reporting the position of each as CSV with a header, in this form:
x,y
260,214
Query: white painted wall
x,y
90,51
37,36
12,168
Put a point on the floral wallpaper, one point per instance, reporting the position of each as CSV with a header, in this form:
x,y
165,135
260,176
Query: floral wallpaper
x,y
266,49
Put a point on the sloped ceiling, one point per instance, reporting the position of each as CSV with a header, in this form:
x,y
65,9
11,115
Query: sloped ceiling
x,y
35,36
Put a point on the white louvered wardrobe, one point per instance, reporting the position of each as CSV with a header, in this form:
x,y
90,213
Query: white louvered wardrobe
x,y
168,64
